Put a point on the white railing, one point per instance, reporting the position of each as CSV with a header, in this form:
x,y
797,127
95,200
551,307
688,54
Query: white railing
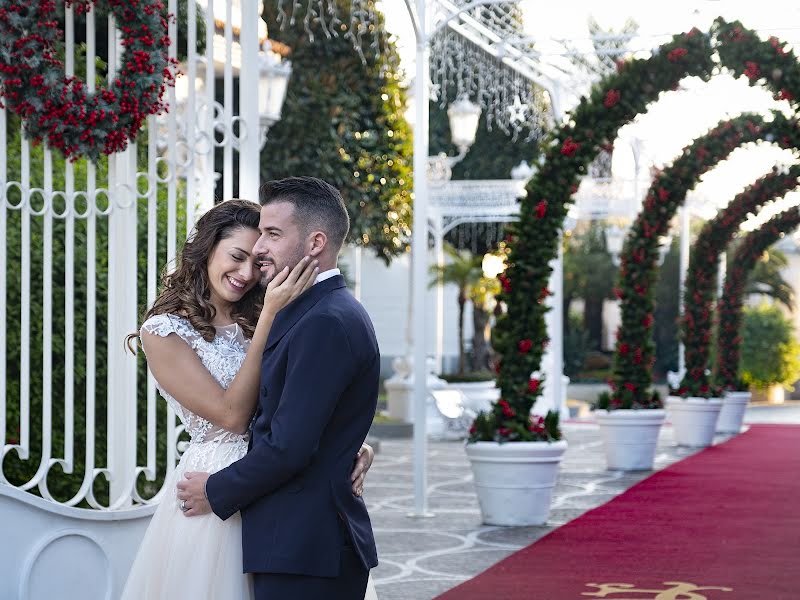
x,y
82,249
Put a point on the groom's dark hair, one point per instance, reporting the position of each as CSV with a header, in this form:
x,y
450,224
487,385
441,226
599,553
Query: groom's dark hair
x,y
317,205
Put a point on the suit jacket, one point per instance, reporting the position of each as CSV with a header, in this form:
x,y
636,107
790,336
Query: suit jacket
x,y
319,388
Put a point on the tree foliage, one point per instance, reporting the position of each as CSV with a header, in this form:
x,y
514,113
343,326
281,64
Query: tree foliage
x,y
770,350
343,121
589,274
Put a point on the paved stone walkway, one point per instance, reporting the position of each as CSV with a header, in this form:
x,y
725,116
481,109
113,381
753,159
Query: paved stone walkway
x,y
421,558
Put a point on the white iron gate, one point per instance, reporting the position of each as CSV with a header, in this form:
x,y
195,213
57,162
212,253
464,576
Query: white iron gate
x,y
82,249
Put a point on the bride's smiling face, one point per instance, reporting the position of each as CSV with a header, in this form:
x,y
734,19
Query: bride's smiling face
x,y
232,267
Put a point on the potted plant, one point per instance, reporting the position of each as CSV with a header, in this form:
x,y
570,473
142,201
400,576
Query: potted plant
x,y
515,458
463,270
770,358
631,414
466,272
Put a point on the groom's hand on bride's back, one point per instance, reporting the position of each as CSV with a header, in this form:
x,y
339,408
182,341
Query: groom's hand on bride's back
x,y
192,494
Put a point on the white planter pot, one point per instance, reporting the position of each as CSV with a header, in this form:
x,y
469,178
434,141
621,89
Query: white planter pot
x,y
630,437
478,395
515,480
694,420
732,413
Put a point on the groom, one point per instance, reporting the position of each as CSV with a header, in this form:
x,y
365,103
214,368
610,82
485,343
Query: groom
x,y
305,535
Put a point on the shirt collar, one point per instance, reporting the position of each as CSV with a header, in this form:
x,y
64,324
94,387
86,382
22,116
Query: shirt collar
x,y
327,275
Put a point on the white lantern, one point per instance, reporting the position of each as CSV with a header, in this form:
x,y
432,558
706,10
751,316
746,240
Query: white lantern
x,y
463,116
273,81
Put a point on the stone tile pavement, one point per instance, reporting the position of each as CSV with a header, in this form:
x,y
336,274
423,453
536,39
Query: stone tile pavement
x,y
423,557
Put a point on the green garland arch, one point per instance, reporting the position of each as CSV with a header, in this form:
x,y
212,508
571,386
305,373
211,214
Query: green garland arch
x,y
730,305
697,323
520,335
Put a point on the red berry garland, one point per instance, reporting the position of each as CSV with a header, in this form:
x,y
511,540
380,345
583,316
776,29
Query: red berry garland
x,y
60,110
730,305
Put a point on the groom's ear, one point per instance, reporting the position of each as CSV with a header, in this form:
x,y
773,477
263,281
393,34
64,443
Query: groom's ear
x,y
318,240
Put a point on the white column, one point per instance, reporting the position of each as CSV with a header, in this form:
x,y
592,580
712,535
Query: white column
x,y
122,269
438,239
419,249
250,149
358,255
722,268
684,267
553,359
556,375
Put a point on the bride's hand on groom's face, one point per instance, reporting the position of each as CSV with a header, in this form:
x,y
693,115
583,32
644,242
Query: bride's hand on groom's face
x,y
288,285
364,460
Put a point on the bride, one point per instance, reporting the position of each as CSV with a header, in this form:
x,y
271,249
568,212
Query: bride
x,y
210,325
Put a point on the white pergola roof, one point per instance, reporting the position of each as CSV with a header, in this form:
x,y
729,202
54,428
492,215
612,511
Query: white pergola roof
x,y
454,203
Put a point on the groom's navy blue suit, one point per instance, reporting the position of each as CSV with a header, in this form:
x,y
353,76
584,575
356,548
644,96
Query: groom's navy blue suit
x,y
304,534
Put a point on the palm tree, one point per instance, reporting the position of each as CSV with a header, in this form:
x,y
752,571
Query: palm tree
x,y
481,294
766,279
464,270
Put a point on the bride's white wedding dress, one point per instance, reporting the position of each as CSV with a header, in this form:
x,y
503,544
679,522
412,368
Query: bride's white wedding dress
x,y
197,557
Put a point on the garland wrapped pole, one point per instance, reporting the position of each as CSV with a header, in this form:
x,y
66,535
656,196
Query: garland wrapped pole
x,y
520,335
696,325
730,305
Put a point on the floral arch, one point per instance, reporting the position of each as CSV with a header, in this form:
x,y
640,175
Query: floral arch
x,y
730,305
520,335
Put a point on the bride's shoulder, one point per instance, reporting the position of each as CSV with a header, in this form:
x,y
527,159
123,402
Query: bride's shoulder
x,y
164,324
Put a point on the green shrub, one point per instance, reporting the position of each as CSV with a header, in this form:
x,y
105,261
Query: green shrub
x,y
576,345
770,350
473,377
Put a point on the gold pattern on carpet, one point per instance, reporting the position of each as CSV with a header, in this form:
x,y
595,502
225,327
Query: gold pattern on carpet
x,y
680,590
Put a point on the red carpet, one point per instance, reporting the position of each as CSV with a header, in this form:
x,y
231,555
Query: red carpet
x,y
727,517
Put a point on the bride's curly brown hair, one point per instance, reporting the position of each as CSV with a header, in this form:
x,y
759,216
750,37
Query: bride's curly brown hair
x,y
186,290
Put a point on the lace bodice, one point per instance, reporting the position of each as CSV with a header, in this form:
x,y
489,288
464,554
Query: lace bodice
x,y
223,357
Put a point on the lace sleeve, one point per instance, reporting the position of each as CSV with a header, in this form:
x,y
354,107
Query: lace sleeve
x,y
164,324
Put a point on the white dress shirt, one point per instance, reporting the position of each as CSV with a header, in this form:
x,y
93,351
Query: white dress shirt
x,y
327,275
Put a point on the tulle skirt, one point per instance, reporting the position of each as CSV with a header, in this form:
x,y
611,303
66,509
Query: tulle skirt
x,y
190,557
193,557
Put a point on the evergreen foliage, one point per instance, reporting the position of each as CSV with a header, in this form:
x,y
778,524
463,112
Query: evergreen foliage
x,y
343,121
770,350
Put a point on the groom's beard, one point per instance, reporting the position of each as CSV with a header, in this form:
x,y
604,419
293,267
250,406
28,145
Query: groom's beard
x,y
273,268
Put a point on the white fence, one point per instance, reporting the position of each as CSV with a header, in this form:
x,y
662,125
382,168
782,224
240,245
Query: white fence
x,y
82,249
